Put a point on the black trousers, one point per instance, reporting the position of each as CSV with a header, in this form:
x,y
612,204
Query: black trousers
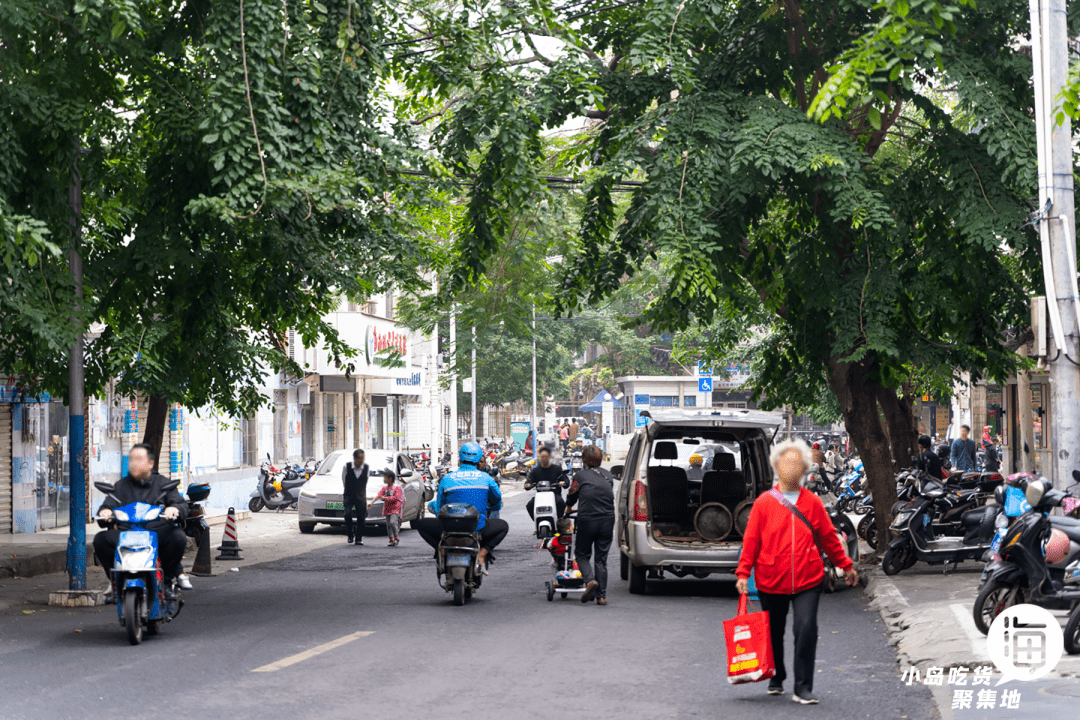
x,y
490,536
359,505
804,607
560,505
592,543
171,544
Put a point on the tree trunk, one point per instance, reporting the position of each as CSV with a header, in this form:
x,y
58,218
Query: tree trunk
x,y
156,416
900,424
858,401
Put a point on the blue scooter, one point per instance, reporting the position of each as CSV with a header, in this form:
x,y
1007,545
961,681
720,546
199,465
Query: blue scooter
x,y
138,582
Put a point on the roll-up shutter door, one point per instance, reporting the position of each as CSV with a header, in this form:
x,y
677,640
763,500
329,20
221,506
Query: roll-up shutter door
x,y
5,468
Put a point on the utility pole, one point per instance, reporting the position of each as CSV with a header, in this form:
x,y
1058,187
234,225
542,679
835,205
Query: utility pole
x,y
1024,419
532,422
76,549
453,389
1057,229
475,427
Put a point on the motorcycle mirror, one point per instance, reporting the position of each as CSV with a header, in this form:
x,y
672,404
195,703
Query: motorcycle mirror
x,y
617,470
1076,475
1027,450
108,489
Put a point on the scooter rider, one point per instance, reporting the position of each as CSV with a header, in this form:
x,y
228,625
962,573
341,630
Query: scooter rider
x,y
142,484
471,486
554,474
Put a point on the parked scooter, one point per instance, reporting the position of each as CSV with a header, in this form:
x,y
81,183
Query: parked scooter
x,y
919,524
458,550
138,581
276,489
1037,552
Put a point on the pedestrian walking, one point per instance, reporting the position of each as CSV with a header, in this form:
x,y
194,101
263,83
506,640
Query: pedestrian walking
x,y
393,498
354,479
564,435
962,450
572,431
591,492
785,537
991,463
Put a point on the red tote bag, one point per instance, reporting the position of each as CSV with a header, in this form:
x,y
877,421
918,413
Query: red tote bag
x,y
749,646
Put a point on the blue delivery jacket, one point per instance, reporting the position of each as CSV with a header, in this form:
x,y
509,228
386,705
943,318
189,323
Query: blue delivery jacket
x,y
472,487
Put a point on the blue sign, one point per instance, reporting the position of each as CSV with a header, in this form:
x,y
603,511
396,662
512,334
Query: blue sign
x,y
640,421
704,384
703,368
641,399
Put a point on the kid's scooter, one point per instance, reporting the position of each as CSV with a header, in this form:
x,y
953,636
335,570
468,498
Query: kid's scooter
x,y
138,582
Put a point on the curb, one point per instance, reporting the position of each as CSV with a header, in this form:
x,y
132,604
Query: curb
x,y
42,564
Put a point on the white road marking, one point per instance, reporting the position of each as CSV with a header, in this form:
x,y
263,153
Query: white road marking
x,y
317,650
512,493
967,622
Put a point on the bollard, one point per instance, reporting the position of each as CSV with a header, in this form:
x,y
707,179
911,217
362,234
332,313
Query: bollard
x,y
201,566
230,546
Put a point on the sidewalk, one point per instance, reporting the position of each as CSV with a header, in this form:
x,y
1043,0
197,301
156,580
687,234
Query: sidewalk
x,y
31,554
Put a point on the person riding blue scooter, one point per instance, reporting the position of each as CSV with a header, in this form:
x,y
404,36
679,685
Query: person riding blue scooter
x,y
471,486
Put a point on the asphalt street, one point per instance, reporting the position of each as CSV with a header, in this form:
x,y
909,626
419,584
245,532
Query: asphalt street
x,y
345,631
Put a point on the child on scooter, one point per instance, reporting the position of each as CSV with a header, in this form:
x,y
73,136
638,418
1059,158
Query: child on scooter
x,y
393,498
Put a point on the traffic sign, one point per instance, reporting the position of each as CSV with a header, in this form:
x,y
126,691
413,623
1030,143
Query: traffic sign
x,y
704,384
703,368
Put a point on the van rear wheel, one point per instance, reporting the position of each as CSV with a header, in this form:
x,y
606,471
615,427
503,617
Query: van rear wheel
x,y
638,583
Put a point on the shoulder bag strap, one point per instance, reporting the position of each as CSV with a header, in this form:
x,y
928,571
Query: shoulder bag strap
x,y
798,513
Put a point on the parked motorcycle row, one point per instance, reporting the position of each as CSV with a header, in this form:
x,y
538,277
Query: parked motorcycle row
x,y
1030,555
279,488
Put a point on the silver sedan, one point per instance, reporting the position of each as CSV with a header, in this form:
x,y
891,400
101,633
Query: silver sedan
x,y
321,499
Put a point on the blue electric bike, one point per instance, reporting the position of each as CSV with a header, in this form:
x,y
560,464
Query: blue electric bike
x,y
138,581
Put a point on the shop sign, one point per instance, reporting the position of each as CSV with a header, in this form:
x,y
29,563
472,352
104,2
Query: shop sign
x,y
376,342
412,380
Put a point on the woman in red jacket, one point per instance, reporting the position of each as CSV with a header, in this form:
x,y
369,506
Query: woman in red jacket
x,y
781,549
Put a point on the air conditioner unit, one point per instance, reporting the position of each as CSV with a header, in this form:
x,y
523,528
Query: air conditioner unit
x,y
303,392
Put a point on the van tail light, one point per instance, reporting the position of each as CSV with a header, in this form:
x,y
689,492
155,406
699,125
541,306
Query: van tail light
x,y
641,513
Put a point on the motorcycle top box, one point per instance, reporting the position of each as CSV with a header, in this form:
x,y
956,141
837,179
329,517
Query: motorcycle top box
x,y
198,492
459,518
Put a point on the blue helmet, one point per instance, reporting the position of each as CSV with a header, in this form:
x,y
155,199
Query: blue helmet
x,y
470,453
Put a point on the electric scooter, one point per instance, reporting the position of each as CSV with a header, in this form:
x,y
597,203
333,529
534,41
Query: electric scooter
x,y
276,489
458,550
545,515
138,582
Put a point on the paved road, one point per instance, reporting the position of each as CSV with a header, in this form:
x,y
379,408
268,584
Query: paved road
x,y
508,654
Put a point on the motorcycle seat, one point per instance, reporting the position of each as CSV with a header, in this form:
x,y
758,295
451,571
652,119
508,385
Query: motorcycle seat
x,y
458,541
972,518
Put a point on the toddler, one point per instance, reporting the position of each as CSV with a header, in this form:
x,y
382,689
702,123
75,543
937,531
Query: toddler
x,y
393,498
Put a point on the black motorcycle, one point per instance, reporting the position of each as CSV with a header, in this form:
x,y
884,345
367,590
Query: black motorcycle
x,y
1022,574
459,547
926,528
276,489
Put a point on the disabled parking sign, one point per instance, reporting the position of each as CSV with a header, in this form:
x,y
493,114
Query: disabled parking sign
x,y
704,384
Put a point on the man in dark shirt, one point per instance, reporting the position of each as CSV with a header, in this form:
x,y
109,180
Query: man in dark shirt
x,y
962,450
354,479
928,461
142,484
553,473
594,497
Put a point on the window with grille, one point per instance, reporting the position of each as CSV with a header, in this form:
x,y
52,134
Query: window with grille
x,y
249,442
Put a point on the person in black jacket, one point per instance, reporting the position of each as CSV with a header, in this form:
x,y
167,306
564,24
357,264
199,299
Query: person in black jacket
x,y
928,461
354,479
142,484
545,469
594,497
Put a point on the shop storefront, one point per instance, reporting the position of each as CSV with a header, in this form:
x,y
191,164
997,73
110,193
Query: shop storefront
x,y
40,490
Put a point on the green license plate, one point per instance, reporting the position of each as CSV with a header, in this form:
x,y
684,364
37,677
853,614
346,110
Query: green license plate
x,y
335,506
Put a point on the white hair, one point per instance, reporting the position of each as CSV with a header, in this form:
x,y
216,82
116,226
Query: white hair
x,y
785,446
